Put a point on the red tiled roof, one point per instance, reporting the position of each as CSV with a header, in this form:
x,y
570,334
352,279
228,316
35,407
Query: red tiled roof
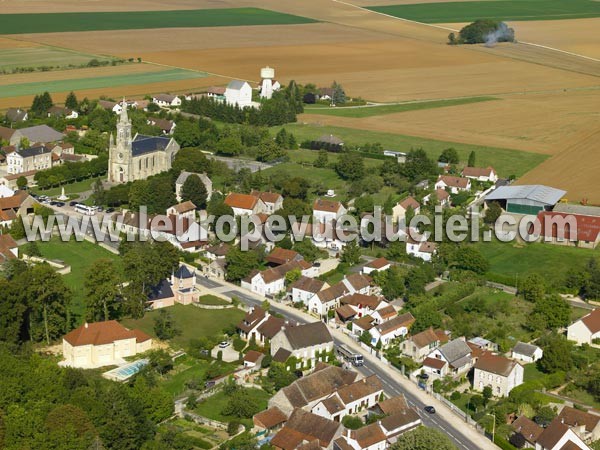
x,y
409,202
458,182
100,333
425,338
378,263
252,356
281,255
267,197
441,194
588,227
270,418
592,321
326,205
434,363
527,428
477,172
496,364
575,417
241,201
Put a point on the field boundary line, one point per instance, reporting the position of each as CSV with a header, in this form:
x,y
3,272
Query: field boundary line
x,y
212,74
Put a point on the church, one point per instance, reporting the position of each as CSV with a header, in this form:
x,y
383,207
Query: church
x,y
138,158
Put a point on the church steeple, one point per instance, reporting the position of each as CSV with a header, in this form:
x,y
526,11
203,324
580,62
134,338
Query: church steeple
x,y
124,128
123,118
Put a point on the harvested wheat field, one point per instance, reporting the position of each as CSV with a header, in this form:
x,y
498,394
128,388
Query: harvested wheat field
x,y
544,123
55,6
575,169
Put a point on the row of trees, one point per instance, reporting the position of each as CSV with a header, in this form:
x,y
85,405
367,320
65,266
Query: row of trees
x,y
70,172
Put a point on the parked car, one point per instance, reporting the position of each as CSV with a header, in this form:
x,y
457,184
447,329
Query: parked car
x,y
73,203
429,409
223,344
61,204
110,210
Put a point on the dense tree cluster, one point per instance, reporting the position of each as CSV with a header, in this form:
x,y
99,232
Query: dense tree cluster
x,y
70,172
45,406
483,31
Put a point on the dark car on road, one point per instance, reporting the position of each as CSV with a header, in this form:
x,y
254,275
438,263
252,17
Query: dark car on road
x,y
429,409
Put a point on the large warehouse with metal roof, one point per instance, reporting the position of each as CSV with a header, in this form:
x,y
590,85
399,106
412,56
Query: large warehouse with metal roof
x,y
526,199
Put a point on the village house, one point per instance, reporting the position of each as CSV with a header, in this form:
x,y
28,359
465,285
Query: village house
x,y
259,325
420,345
183,176
392,329
181,288
453,358
308,391
399,211
326,211
358,283
238,93
272,200
100,344
362,304
421,249
327,299
60,111
527,353
29,159
8,248
500,373
440,196
114,107
584,424
350,399
528,429
453,184
14,115
18,205
309,342
215,92
270,419
558,436
487,174
585,330
303,427
279,256
183,210
166,100
377,265
244,204
272,281
218,251
369,437
322,235
304,288
385,312
165,125
252,359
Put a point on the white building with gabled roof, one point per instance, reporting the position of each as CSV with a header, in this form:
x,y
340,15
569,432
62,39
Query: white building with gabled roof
x,y
238,93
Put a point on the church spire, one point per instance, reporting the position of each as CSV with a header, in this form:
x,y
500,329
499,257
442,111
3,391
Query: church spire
x,y
124,117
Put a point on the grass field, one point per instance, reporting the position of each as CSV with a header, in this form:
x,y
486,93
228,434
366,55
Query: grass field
x,y
212,406
380,110
193,322
43,56
498,10
511,261
77,84
190,369
212,300
80,256
139,20
70,189
506,161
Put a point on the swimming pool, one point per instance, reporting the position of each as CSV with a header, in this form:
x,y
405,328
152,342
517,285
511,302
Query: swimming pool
x,y
125,372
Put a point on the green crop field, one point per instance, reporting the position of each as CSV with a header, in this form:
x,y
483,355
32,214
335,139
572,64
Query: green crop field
x,y
77,84
137,20
497,10
506,161
36,57
380,110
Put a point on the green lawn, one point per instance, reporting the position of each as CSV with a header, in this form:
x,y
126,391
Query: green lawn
x,y
80,256
213,406
136,20
506,161
379,110
14,90
511,261
192,321
190,369
497,10
531,372
44,56
70,189
212,300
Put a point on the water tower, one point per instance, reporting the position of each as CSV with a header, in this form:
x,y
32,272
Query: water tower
x,y
266,88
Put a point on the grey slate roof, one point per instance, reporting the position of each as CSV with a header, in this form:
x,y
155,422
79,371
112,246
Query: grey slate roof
x,y
33,151
146,144
307,335
236,84
16,114
584,210
525,349
183,272
536,192
41,133
161,291
455,352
